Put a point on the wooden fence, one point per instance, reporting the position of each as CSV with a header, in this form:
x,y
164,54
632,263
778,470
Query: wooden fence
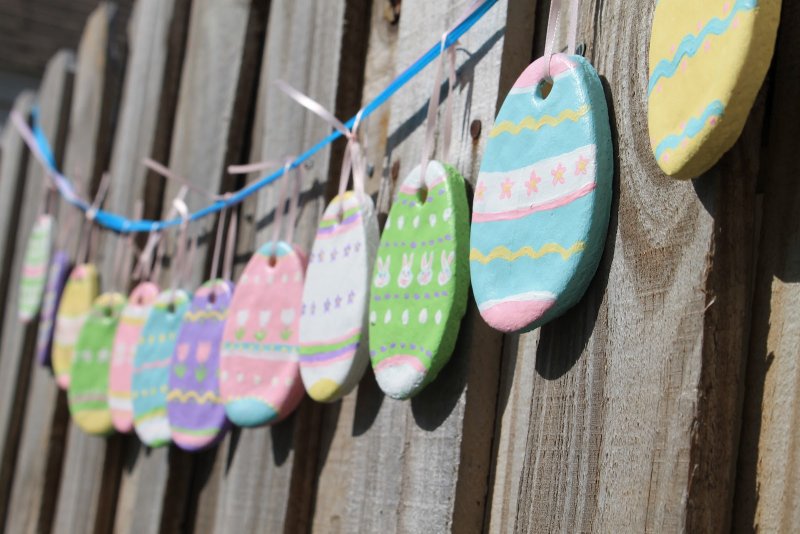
x,y
666,401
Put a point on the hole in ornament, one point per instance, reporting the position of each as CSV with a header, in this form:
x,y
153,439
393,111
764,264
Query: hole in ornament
x,y
422,194
340,215
212,298
171,307
108,313
273,261
544,88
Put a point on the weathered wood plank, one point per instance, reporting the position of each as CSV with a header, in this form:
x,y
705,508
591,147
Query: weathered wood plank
x,y
14,220
157,36
623,414
88,487
422,466
214,110
268,471
38,465
768,477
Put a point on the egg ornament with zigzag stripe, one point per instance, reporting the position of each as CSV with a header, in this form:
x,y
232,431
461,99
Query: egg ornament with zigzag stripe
x,y
195,410
543,196
708,61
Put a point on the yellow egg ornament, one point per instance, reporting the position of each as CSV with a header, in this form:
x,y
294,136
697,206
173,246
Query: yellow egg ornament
x,y
708,60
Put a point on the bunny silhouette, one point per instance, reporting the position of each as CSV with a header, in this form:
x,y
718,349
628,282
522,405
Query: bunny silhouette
x,y
447,267
426,270
382,277
406,274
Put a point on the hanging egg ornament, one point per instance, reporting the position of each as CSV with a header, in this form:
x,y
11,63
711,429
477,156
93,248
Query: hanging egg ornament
x,y
194,407
334,352
543,196
260,368
708,61
60,267
34,268
131,322
150,382
420,281
79,293
88,387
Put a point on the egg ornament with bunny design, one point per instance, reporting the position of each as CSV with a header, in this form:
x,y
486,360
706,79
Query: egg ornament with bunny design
x,y
420,281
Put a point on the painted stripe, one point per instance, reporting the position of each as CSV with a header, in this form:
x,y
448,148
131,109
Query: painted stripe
x,y
240,354
186,396
332,343
149,366
203,315
333,231
341,357
520,297
544,184
192,433
690,44
523,212
503,253
694,126
329,356
401,359
348,217
536,123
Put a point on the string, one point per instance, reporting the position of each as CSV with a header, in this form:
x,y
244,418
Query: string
x,y
230,245
433,107
552,27
354,160
37,141
84,247
180,246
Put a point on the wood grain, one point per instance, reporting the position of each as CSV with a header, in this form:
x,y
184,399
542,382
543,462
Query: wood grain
x,y
767,487
88,486
37,469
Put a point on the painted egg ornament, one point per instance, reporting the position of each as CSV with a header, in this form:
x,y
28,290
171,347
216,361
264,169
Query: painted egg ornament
x,y
543,196
334,352
34,268
150,382
196,414
60,267
88,387
260,368
79,293
420,281
131,322
708,61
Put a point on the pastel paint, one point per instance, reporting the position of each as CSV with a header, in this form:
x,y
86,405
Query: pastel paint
x,y
708,61
260,366
131,322
60,267
194,407
420,281
34,268
543,196
79,293
88,388
334,352
151,366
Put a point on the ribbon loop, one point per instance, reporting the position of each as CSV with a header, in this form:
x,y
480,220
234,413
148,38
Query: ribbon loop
x,y
552,27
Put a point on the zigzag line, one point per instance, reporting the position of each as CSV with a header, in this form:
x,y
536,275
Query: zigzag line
x,y
183,396
200,315
693,127
690,44
531,123
503,253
